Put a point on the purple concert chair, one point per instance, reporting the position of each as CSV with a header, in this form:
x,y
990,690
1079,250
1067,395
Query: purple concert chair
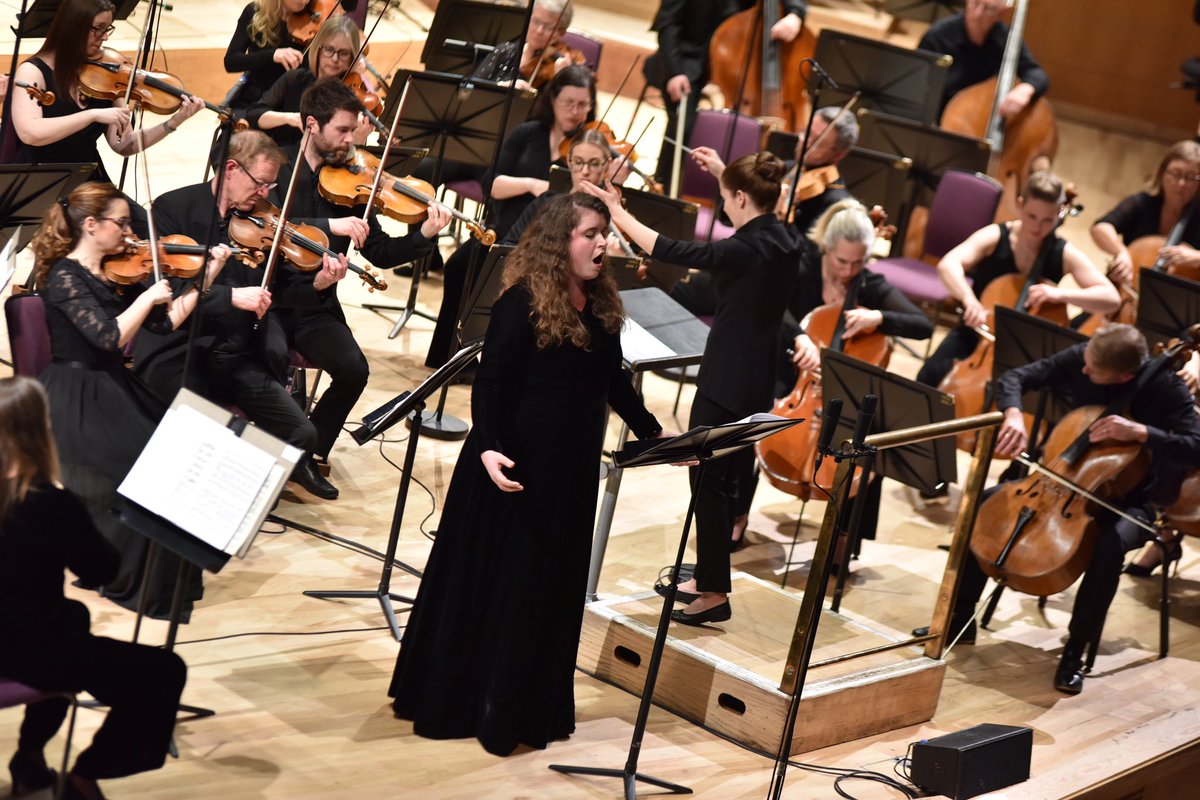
x,y
712,130
13,694
591,48
463,190
28,335
964,203
298,380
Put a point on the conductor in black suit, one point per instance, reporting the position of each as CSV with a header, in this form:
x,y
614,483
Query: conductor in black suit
x,y
680,67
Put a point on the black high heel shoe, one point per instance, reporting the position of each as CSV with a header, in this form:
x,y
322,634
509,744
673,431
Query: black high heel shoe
x,y
30,773
1174,554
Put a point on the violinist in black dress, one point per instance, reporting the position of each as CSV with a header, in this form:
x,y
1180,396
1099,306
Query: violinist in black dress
x,y
756,275
45,529
262,49
102,414
489,650
1158,415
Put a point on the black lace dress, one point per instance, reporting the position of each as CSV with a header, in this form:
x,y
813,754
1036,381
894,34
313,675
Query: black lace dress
x,y
102,415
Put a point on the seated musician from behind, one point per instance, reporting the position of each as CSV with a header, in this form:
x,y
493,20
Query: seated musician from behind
x,y
975,40
1155,212
1160,417
1012,247
306,303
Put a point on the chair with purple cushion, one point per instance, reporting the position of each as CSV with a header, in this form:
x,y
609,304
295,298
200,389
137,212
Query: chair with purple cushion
x,y
711,129
964,203
463,190
13,694
298,380
28,335
591,48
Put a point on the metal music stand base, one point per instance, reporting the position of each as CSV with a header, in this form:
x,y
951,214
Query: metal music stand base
x,y
409,309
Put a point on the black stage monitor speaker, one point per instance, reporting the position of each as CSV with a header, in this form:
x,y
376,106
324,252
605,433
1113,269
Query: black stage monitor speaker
x,y
971,762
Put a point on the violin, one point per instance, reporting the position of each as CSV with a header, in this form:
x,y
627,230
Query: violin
x,y
543,64
304,24
109,78
618,149
371,101
179,256
969,380
788,459
403,199
37,94
301,245
1036,534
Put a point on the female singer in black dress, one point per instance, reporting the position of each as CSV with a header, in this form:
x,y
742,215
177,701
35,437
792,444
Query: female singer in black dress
x,y
44,529
67,130
261,49
756,274
103,415
489,650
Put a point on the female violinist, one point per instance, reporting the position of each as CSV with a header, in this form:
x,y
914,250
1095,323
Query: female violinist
x,y
102,414
1172,193
67,130
261,49
1012,247
1160,418
522,174
330,55
757,275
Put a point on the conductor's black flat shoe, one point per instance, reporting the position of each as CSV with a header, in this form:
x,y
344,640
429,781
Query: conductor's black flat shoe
x,y
680,595
719,613
29,773
309,476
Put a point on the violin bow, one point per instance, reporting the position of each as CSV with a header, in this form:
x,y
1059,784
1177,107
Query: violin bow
x,y
1034,466
791,205
139,133
387,148
625,157
285,208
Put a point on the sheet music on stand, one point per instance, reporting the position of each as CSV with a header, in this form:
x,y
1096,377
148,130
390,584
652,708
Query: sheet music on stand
x,y
203,476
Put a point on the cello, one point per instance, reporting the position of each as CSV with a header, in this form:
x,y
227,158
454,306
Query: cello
x,y
767,83
1017,142
1036,534
969,380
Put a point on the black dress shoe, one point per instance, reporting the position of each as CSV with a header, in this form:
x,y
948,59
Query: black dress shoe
x,y
30,773
680,595
309,476
968,636
1069,677
719,613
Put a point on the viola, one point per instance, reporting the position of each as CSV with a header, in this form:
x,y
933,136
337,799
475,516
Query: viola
x,y
403,199
109,78
969,380
304,24
301,245
542,65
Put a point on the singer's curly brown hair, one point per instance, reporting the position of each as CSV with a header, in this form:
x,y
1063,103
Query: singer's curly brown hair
x,y
541,262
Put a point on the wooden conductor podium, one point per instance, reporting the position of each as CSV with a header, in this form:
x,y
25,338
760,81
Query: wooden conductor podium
x,y
835,676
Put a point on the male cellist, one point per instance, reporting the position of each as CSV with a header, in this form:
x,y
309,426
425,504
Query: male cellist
x,y
1159,416
975,40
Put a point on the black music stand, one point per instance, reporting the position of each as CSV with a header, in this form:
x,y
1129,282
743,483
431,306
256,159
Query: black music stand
x,y
473,23
456,119
374,424
903,403
931,150
28,190
1167,305
876,179
702,444
929,11
893,80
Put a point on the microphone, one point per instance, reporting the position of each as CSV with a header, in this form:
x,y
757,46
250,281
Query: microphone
x,y
817,68
829,421
866,414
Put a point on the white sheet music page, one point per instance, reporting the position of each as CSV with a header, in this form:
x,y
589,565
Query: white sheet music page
x,y
638,344
199,475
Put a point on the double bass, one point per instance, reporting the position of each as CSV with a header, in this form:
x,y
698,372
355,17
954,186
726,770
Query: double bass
x,y
969,380
1036,534
1017,142
767,80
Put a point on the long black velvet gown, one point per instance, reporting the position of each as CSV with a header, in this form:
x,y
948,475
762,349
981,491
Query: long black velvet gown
x,y
102,416
489,650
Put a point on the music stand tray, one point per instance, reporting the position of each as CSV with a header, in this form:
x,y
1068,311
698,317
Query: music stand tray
x,y
401,160
28,190
894,80
1167,305
469,21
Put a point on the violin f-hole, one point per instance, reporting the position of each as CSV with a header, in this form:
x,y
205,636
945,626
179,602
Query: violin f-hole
x,y
1023,518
